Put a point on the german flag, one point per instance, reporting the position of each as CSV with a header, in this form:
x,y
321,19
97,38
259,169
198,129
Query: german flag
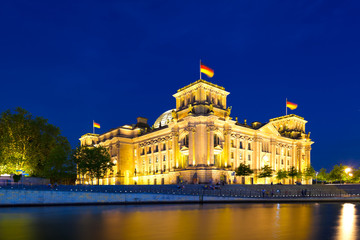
x,y
96,125
291,105
208,71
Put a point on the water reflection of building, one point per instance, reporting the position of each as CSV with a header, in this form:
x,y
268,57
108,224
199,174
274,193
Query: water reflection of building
x,y
198,141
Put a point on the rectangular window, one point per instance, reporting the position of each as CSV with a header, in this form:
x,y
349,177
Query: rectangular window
x,y
249,146
164,158
149,160
241,145
232,144
249,157
240,156
232,155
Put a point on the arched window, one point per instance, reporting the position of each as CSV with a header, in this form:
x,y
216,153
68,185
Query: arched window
x,y
185,141
216,140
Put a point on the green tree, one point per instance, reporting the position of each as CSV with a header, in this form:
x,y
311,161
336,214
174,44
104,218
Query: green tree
x,y
293,173
94,162
26,142
337,173
243,170
59,167
266,172
323,176
356,176
309,173
281,174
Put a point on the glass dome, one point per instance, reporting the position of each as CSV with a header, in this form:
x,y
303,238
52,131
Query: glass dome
x,y
164,119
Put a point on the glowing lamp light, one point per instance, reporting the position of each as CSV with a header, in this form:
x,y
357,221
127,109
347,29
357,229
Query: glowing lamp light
x,y
347,170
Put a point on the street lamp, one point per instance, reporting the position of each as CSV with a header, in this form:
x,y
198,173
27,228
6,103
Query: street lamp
x,y
316,177
348,172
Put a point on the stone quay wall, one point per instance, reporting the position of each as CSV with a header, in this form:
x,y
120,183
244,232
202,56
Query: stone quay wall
x,y
44,198
30,197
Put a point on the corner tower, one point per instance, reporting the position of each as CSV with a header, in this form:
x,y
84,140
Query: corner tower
x,y
201,98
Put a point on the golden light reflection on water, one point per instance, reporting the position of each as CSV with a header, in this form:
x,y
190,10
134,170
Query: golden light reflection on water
x,y
179,222
347,225
16,226
260,221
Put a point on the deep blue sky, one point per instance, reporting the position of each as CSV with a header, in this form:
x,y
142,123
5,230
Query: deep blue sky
x,y
111,61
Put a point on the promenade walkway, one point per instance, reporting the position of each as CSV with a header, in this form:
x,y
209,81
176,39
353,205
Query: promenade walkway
x,y
236,190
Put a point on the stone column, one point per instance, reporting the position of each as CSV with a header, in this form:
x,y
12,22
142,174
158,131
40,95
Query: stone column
x,y
293,155
273,154
211,134
227,146
256,151
191,145
175,148
307,160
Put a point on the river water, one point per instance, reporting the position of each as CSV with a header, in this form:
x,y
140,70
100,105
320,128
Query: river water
x,y
183,222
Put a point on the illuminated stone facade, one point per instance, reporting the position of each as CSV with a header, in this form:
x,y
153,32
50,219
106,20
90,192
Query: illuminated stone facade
x,y
199,142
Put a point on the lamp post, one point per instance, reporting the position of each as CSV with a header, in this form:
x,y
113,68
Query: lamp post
x,y
348,172
316,177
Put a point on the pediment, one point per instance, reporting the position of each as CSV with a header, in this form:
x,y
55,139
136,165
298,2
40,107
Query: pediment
x,y
269,129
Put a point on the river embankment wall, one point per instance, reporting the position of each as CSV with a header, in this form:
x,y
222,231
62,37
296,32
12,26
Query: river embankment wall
x,y
48,198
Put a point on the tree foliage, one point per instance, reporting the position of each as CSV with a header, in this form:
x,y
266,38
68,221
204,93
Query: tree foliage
x,y
26,142
323,176
243,170
93,162
337,173
59,167
265,172
309,173
281,174
293,173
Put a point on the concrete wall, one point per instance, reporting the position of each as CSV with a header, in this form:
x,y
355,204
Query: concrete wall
x,y
29,197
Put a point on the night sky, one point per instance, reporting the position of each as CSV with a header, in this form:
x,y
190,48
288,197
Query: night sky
x,y
73,62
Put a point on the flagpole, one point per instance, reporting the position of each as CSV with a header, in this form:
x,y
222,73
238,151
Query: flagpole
x,y
200,69
286,106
